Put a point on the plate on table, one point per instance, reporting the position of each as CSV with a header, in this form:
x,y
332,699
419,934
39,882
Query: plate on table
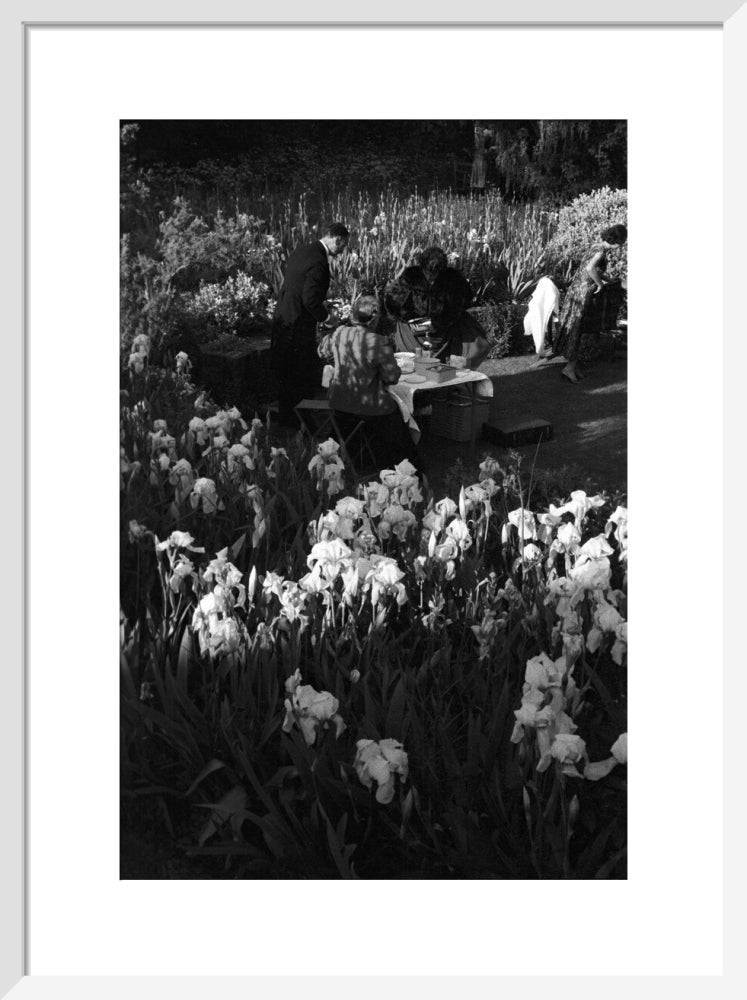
x,y
414,379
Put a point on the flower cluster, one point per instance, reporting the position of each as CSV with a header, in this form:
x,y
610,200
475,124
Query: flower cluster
x,y
549,690
312,711
239,301
550,697
328,467
182,364
386,557
139,353
214,622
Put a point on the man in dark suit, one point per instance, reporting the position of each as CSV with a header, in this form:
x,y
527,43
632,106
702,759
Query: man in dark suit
x,y
301,306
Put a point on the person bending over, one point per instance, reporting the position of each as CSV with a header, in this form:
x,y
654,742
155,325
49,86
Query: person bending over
x,y
300,307
441,294
582,314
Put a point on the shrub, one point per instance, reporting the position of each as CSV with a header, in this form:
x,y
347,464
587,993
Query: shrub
x,y
504,324
192,249
238,306
579,227
199,281
145,300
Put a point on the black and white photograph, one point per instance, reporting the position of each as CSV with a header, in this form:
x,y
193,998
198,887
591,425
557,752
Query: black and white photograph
x,y
373,498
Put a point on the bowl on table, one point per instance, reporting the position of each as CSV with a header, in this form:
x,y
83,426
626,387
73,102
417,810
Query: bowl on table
x,y
458,362
405,360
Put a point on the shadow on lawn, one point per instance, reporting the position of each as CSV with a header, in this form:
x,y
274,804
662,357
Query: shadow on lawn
x,y
589,420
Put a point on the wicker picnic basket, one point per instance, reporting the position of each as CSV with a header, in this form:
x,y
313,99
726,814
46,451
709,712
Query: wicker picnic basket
x,y
452,416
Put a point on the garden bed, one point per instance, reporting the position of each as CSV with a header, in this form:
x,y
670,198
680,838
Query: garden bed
x,y
380,684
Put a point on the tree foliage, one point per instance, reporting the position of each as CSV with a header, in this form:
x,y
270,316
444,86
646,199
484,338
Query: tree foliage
x,y
559,158
526,159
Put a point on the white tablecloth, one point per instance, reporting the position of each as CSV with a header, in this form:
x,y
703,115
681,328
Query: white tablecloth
x,y
404,393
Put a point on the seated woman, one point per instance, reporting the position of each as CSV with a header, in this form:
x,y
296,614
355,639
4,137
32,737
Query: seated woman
x,y
364,366
442,294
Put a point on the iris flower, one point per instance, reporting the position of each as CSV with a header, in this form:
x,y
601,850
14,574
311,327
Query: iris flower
x,y
377,498
178,540
567,542
226,578
136,531
383,579
620,645
225,637
446,552
446,508
434,522
606,620
478,495
238,456
379,761
542,672
326,450
403,484
569,750
160,441
486,632
332,557
397,520
199,431
205,494
272,584
490,469
293,602
618,523
141,343
458,531
333,525
310,710
532,554
314,582
328,465
524,522
350,507
595,548
600,769
276,454
182,479
183,364
183,570
579,505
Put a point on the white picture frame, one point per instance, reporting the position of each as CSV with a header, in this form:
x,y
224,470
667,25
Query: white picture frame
x,y
20,18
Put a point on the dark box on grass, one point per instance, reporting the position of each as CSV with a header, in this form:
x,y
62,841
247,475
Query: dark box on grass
x,y
511,432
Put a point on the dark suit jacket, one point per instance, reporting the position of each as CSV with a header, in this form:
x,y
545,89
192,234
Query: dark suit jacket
x,y
301,303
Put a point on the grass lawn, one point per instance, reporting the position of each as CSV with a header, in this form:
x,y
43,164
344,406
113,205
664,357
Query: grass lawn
x,y
589,421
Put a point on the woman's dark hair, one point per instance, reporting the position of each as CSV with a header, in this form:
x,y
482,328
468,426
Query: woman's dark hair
x,y
615,234
433,258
